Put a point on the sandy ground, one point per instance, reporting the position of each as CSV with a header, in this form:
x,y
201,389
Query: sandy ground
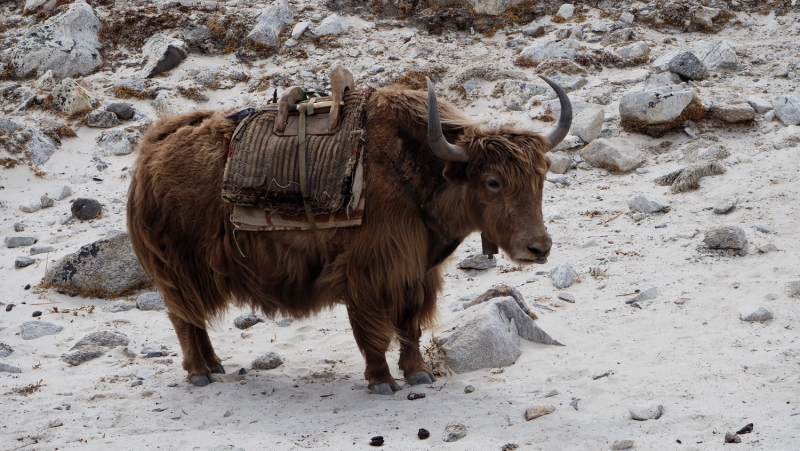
x,y
686,350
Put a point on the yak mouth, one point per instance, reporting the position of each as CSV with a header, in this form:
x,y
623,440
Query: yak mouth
x,y
538,261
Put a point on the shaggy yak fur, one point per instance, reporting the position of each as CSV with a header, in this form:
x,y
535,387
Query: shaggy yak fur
x,y
387,272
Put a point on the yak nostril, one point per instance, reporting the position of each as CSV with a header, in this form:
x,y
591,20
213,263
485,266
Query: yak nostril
x,y
536,251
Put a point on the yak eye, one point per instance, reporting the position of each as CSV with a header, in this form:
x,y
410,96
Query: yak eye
x,y
492,183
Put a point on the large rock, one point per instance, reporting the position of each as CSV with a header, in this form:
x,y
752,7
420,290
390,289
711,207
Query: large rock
x,y
19,241
66,44
85,209
636,51
270,23
36,144
659,106
115,142
759,104
488,336
563,275
612,154
687,65
787,109
726,237
150,301
588,124
331,25
71,98
733,112
560,49
162,53
517,94
105,268
719,56
102,119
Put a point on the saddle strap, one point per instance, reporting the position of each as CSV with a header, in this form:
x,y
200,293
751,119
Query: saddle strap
x,y
304,108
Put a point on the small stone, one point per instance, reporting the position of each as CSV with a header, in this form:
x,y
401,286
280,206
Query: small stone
x,y
469,389
42,249
727,237
153,354
246,321
331,25
643,413
566,10
423,434
19,227
55,423
36,329
563,275
31,208
533,30
36,313
284,322
622,444
687,65
731,437
591,243
5,350
6,368
19,241
83,354
267,361
150,301
755,313
136,383
560,162
645,203
567,297
62,193
767,248
538,411
626,17
106,339
161,54
644,295
46,201
86,209
454,432
102,119
299,29
145,374
724,206
478,261
376,441
764,228
123,110
793,288
613,155
119,306
787,109
588,124
22,262
759,104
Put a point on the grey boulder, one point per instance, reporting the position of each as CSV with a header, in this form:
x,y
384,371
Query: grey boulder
x,y
105,268
645,203
36,329
161,54
719,56
150,301
661,105
588,124
271,22
115,142
19,241
725,237
614,155
85,209
488,336
331,25
268,361
687,65
66,44
646,412
102,119
563,275
787,109
755,313
71,98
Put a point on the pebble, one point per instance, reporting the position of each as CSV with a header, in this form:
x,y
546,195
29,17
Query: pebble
x,y
42,249
645,295
102,119
19,227
469,389
86,209
567,297
62,193
622,444
478,261
284,322
563,275
769,247
376,441
793,288
36,313
268,361
643,413
246,321
591,243
538,411
5,350
19,241
6,368
726,237
454,432
755,313
150,301
22,262
119,306
55,423
31,208
47,201
764,228
83,354
731,437
423,434
123,110
724,206
36,329
645,203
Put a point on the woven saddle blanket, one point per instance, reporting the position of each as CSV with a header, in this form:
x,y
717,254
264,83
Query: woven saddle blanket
x,y
263,172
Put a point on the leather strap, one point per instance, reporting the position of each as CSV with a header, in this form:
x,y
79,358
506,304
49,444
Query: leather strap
x,y
304,109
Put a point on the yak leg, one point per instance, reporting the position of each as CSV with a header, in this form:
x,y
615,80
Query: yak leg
x,y
199,358
415,370
373,339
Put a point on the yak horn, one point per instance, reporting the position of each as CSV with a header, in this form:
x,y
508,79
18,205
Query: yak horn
x,y
565,120
438,143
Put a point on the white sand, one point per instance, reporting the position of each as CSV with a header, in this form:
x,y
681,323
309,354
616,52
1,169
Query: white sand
x,y
686,350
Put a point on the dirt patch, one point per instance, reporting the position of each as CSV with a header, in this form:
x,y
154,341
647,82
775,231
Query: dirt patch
x,y
556,66
415,78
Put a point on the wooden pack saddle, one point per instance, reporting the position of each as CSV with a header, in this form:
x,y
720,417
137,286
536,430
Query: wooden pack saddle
x,y
298,164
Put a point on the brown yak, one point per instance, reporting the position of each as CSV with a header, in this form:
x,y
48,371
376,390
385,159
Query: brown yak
x,y
431,183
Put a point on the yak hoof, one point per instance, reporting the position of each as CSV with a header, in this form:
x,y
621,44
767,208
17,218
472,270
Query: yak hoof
x,y
200,381
420,377
218,369
384,388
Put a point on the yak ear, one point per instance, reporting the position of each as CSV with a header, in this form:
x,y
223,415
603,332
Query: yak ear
x,y
455,172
